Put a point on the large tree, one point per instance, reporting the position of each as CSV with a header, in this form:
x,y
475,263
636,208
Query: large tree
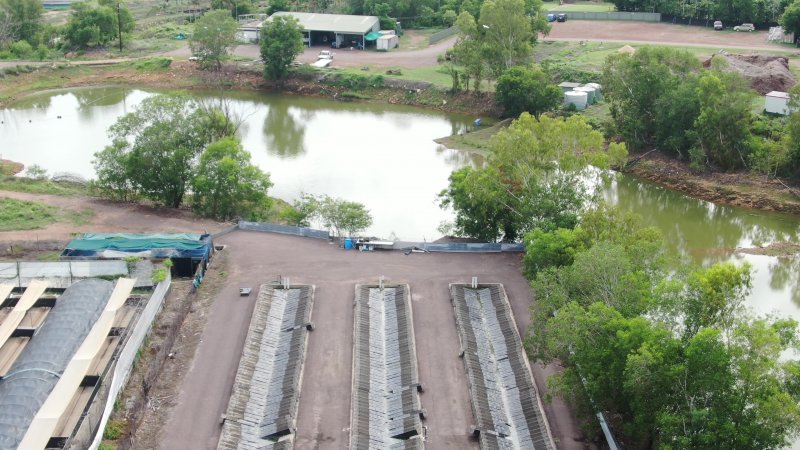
x,y
227,185
97,25
641,88
281,42
723,124
530,180
21,19
523,89
155,148
508,32
213,38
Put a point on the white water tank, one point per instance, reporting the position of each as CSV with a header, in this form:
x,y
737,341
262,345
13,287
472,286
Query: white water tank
x,y
591,98
598,90
576,98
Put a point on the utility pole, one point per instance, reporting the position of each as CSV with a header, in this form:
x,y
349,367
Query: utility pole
x,y
119,28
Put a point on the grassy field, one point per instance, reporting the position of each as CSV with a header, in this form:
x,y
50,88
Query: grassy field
x,y
18,184
582,6
21,215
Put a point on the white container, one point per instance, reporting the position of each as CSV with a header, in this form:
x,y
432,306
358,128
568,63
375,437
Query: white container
x,y
591,97
386,42
576,98
777,102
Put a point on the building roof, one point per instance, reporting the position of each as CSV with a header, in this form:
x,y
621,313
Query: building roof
x,y
778,94
262,412
339,23
36,371
504,399
385,405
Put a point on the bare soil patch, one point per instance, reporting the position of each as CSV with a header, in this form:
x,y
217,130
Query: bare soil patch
x,y
779,249
108,216
659,33
739,189
765,73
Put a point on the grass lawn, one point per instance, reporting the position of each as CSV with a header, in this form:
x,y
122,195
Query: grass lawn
x,y
475,141
21,215
583,6
430,74
19,184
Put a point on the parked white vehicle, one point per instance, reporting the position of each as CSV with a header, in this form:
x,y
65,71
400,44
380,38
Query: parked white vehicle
x,y
744,27
325,54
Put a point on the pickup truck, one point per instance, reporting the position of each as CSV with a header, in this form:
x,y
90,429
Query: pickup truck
x,y
325,54
718,25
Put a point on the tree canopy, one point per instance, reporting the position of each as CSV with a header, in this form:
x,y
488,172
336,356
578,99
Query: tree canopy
x,y
530,179
20,19
523,89
281,42
214,36
227,185
89,25
154,150
671,354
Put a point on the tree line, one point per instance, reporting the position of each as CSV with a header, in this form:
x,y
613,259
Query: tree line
x,y
732,12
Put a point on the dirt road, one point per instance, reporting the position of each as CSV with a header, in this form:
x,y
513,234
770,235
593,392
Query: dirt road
x,y
323,421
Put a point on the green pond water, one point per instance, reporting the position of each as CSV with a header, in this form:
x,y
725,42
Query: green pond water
x,y
384,156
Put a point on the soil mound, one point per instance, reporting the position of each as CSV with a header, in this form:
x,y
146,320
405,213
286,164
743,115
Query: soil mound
x,y
765,73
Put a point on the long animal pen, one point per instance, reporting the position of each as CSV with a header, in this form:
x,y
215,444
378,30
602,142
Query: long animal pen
x,y
262,412
385,411
505,403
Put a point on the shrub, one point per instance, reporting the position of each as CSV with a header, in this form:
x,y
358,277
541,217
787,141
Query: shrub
x,y
152,64
159,275
114,429
11,70
21,49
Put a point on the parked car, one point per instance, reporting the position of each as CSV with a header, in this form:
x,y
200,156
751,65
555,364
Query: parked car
x,y
561,18
325,54
717,25
551,17
744,27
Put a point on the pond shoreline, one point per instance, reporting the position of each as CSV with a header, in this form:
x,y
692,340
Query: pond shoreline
x,y
736,189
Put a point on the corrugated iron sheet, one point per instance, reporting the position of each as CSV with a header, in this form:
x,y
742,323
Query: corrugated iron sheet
x,y
385,407
505,403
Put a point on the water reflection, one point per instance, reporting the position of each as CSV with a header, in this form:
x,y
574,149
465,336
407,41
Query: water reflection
x,y
785,274
706,232
285,135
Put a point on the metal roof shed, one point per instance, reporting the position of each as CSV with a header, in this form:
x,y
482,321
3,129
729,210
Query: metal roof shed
x,y
334,26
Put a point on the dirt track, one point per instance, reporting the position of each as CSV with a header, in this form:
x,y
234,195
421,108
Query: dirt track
x,y
325,397
659,33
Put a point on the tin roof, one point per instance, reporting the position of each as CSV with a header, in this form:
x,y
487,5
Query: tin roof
x,y
339,23
385,406
263,407
504,399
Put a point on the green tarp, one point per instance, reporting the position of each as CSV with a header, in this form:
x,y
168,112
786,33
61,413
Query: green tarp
x,y
372,36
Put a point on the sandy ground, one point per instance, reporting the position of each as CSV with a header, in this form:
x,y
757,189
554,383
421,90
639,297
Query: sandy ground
x,y
323,421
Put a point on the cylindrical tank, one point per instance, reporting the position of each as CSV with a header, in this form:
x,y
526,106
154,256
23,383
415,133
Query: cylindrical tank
x,y
590,94
576,98
598,90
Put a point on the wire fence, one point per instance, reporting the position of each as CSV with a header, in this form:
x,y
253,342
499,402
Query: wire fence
x,y
609,15
444,34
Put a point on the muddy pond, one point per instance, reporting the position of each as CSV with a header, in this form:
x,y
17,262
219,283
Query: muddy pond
x,y
384,156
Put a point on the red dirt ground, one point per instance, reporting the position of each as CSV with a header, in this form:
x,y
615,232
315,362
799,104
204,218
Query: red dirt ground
x,y
659,33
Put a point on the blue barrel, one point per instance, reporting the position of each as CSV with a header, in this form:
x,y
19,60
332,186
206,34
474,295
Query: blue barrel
x,y
348,243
